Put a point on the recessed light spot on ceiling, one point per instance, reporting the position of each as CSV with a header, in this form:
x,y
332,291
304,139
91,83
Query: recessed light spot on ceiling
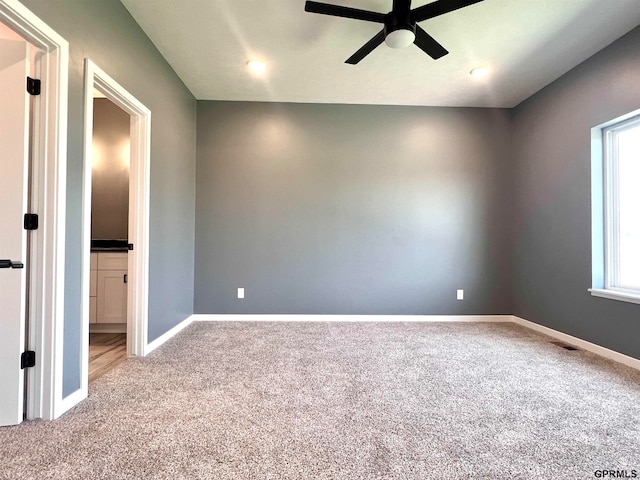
x,y
256,66
479,72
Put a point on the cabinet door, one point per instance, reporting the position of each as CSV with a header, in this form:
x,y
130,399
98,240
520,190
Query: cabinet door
x,y
112,296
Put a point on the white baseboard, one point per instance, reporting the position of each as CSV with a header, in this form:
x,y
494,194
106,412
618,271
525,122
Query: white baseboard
x,y
578,342
69,402
248,317
151,346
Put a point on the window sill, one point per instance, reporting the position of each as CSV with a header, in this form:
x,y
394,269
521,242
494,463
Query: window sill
x,y
615,295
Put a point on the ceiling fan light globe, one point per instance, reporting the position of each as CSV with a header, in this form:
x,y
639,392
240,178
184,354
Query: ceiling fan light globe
x,y
400,38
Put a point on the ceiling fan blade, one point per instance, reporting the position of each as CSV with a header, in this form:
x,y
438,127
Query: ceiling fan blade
x,y
440,7
347,12
428,44
366,49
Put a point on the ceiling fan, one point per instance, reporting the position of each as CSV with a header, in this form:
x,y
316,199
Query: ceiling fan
x,y
400,24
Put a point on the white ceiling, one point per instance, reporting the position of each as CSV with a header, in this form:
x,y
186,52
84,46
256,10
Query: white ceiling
x,y
526,43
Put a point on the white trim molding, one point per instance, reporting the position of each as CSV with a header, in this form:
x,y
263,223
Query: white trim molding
x,y
49,175
578,342
614,295
138,259
70,401
605,210
248,317
151,346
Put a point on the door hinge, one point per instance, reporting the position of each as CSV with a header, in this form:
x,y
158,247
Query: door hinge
x,y
28,359
126,278
130,246
30,221
33,86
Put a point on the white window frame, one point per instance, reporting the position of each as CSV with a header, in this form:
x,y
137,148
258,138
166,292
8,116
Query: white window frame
x,y
605,200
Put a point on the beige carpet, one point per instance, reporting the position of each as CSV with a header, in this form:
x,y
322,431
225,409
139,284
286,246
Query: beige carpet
x,y
343,401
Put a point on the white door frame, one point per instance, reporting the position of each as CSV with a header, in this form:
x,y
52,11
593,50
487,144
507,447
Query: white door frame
x,y
138,259
49,175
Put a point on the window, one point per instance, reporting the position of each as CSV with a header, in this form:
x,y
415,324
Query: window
x,y
619,227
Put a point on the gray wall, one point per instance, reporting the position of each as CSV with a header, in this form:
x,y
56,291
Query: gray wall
x,y
345,209
103,31
356,209
110,171
552,229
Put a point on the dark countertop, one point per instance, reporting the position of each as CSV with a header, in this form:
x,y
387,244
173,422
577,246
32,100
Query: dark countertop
x,y
105,245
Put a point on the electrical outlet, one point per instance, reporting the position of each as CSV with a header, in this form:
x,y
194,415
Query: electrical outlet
x,y
460,294
240,292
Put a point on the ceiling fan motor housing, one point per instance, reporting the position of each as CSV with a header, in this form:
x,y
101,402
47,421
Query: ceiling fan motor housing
x,y
399,29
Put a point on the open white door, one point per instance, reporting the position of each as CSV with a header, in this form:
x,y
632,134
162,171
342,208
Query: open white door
x,y
14,152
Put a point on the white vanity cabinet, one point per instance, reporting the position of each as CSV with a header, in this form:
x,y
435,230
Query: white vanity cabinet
x,y
108,300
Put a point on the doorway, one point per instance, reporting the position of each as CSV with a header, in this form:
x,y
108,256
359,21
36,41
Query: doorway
x,y
109,236
116,301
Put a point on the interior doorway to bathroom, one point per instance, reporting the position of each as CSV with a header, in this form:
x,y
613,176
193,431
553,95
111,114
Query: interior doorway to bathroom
x,y
115,225
110,167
